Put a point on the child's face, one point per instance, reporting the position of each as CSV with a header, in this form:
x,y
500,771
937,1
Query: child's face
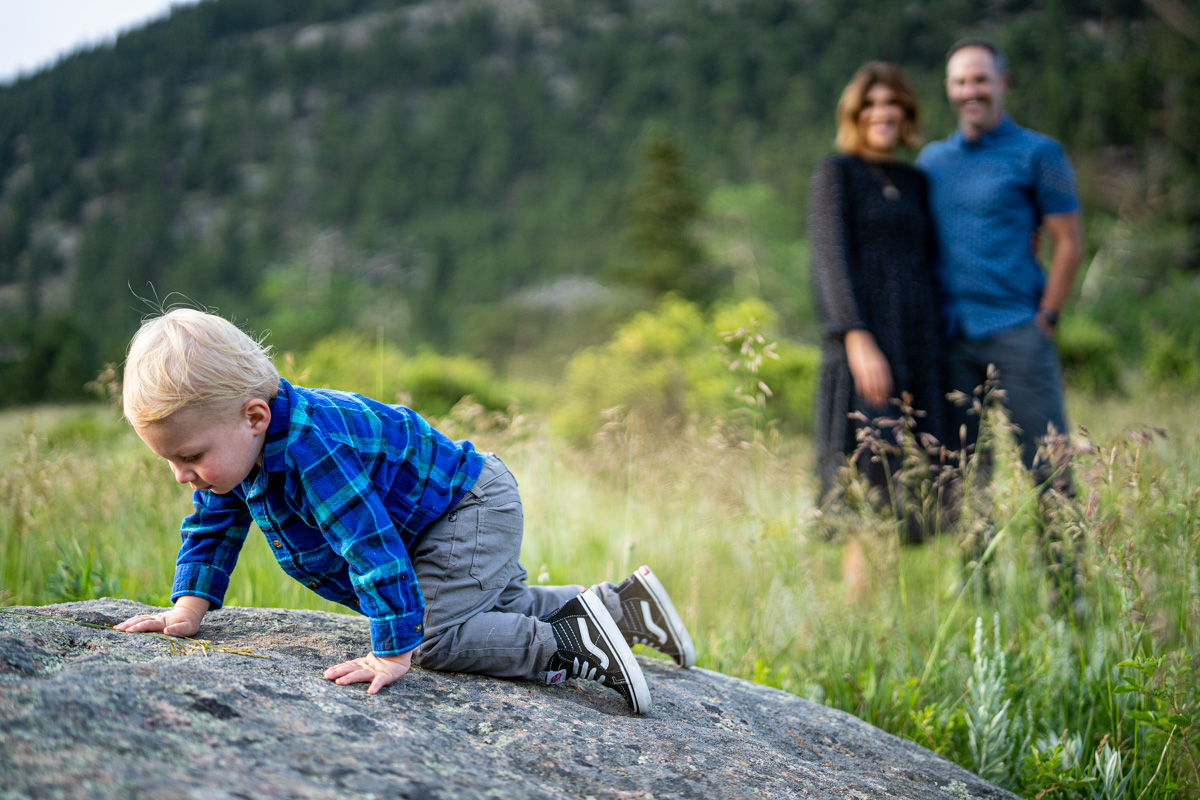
x,y
207,449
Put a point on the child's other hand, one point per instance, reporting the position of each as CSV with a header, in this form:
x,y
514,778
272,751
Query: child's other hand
x,y
379,670
173,622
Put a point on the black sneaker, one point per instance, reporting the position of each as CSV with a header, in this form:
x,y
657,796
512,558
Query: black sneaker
x,y
590,646
649,617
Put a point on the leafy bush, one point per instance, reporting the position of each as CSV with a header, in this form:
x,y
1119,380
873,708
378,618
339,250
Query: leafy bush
x,y
1172,362
793,381
427,382
667,364
1089,357
788,372
659,366
436,383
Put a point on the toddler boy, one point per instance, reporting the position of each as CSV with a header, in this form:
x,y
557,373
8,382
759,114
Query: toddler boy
x,y
369,506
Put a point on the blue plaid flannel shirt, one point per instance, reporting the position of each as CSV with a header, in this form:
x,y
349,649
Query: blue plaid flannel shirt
x,y
345,487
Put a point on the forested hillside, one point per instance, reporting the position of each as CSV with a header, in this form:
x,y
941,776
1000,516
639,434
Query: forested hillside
x,y
478,176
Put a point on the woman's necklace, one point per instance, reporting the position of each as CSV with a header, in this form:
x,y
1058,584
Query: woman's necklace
x,y
889,189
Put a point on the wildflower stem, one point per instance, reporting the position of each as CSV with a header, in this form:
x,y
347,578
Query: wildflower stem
x,y
1161,758
958,598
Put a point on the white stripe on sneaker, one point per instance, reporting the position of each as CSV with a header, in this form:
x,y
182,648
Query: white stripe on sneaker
x,y
590,646
674,623
648,620
635,682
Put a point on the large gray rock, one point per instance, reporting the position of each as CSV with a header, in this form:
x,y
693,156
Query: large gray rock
x,y
87,712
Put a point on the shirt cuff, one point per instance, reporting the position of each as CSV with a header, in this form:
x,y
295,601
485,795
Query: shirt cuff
x,y
397,635
200,580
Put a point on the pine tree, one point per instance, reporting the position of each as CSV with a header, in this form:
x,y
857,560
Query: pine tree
x,y
663,215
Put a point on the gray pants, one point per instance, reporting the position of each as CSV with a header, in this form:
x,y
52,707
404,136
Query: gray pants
x,y
480,616
1029,371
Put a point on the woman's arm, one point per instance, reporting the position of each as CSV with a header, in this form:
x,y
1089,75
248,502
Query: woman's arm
x,y
829,237
869,367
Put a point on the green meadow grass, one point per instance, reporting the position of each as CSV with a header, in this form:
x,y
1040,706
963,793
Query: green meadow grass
x,y
1099,702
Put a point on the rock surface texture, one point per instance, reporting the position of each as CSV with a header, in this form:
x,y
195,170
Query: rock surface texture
x,y
89,712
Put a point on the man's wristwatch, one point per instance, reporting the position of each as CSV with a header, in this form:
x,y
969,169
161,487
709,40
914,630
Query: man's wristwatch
x,y
1050,315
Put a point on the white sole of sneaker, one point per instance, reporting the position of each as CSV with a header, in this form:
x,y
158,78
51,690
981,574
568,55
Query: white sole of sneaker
x,y
638,689
654,587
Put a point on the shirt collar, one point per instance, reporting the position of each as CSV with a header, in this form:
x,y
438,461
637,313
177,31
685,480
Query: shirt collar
x,y
277,432
1003,128
275,445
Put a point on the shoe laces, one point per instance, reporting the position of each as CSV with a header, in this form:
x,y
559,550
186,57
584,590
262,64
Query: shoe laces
x,y
588,672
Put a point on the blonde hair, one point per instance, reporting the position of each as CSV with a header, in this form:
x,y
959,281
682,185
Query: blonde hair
x,y
190,359
849,137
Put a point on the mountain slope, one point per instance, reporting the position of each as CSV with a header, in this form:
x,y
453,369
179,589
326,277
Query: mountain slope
x,y
412,167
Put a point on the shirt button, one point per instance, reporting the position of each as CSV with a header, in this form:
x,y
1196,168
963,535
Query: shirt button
x,y
453,516
277,543
312,584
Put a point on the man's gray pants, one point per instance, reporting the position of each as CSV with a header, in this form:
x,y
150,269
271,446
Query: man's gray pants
x,y
480,616
1028,366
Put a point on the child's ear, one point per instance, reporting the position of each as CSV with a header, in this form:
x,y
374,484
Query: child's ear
x,y
257,412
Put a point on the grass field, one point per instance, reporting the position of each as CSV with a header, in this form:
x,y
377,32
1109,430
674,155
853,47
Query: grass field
x,y
1096,702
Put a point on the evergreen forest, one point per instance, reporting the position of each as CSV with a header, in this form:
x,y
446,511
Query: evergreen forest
x,y
511,179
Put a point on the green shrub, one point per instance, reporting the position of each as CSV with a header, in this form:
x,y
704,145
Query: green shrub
x,y
1137,285
1089,356
436,383
427,382
793,381
789,371
1171,362
672,363
348,361
659,366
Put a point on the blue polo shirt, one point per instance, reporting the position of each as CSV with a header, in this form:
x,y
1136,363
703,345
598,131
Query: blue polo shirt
x,y
987,197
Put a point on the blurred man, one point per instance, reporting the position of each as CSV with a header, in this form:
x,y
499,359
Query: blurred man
x,y
996,189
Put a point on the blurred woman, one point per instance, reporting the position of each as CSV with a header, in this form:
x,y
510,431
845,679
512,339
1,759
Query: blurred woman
x,y
872,249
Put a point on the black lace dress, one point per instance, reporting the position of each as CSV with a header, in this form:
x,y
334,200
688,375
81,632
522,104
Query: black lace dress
x,y
872,249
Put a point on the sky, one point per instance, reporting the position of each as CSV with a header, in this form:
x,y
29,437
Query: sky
x,y
36,33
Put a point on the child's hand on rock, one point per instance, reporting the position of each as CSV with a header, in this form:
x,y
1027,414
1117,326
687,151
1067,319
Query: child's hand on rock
x,y
379,670
175,622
